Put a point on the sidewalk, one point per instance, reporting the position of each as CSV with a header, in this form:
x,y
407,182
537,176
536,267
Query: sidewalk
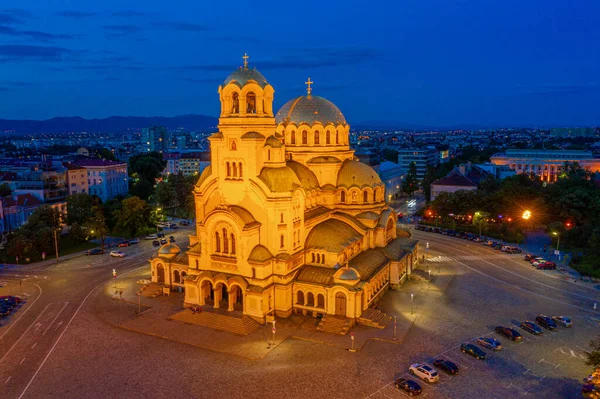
x,y
154,320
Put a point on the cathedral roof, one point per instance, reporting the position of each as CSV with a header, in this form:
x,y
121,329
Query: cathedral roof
x,y
260,253
357,174
368,215
169,249
252,135
243,214
205,174
305,175
395,250
347,274
368,262
242,76
331,235
324,159
279,179
310,109
316,274
273,142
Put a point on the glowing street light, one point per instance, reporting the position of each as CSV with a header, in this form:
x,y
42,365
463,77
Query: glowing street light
x,y
526,215
558,236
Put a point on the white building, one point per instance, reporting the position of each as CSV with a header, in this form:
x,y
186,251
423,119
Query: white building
x,y
106,179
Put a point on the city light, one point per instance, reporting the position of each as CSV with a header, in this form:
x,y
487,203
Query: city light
x,y
527,215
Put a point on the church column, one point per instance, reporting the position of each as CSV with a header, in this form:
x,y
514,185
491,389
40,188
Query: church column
x,y
202,299
218,294
232,299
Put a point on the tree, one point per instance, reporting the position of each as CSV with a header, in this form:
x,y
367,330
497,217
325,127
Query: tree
x,y
5,190
96,224
142,189
105,153
147,166
410,183
426,182
134,215
165,195
480,220
79,208
390,155
43,217
593,357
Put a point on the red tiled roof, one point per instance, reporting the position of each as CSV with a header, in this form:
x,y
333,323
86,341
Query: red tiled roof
x,y
454,179
21,200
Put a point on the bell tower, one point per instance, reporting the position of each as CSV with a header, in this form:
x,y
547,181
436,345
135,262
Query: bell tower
x,y
245,122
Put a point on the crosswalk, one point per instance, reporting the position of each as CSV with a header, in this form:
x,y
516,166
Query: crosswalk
x,y
446,258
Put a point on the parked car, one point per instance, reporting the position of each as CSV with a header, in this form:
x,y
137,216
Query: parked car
x,y
546,322
123,244
514,250
531,327
160,235
547,266
424,372
409,386
528,257
134,241
563,321
118,254
446,365
536,259
184,223
509,333
538,262
171,239
95,251
156,243
489,343
473,350
151,237
163,241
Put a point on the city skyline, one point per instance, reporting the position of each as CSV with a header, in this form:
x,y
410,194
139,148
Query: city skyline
x,y
431,64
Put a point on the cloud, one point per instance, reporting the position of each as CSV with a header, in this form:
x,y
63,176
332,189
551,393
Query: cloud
x,y
32,34
121,30
129,13
183,26
31,52
76,14
560,89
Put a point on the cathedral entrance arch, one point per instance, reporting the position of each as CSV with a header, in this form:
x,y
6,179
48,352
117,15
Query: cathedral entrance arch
x,y
160,273
340,304
207,293
236,298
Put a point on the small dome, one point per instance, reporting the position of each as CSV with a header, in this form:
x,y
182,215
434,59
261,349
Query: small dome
x,y
357,174
260,254
252,135
279,179
306,176
347,274
273,142
169,249
310,109
242,76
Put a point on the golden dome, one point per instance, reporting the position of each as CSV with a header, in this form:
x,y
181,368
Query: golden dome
x,y
273,142
242,76
357,174
279,179
331,235
310,109
306,176
205,175
347,274
169,249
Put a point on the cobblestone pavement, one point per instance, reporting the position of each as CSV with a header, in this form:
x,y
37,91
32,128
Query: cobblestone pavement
x,y
96,358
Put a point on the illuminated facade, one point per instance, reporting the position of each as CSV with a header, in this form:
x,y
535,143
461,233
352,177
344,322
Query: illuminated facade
x,y
288,221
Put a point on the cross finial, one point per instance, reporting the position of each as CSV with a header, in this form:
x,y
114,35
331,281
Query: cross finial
x,y
245,57
308,88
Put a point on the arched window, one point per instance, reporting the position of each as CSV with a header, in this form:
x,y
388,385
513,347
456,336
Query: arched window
x,y
318,258
375,195
337,137
343,197
300,298
281,218
304,137
281,241
240,169
268,155
232,244
323,258
233,146
176,276
236,103
293,139
316,137
228,169
310,299
183,274
327,137
251,103
321,301
217,242
365,196
234,169
197,264
313,258
225,242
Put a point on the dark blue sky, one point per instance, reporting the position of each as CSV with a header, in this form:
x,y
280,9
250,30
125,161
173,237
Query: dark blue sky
x,y
419,62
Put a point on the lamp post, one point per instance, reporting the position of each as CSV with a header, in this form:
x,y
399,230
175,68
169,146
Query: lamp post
x,y
56,244
558,237
412,296
526,216
477,214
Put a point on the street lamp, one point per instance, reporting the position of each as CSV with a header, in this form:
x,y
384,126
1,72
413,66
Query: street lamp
x,y
412,296
526,215
558,237
429,281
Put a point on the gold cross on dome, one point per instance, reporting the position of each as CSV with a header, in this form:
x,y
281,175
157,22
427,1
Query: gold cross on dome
x,y
308,83
245,57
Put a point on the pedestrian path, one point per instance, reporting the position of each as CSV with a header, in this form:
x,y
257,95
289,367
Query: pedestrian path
x,y
446,258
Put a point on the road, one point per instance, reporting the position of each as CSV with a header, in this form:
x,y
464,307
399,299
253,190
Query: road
x,y
488,289
29,336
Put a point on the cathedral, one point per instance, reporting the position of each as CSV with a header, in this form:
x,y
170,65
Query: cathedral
x,y
288,221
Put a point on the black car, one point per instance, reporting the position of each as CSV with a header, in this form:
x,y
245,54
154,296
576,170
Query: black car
x,y
163,241
160,235
546,322
409,386
171,239
446,365
156,243
509,333
95,251
472,350
531,327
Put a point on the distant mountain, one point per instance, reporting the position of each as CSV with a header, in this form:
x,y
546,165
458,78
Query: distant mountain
x,y
110,124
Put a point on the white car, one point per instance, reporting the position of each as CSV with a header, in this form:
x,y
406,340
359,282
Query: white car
x,y
151,237
538,262
118,254
424,372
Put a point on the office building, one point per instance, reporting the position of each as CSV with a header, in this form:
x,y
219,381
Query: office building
x,y
422,157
